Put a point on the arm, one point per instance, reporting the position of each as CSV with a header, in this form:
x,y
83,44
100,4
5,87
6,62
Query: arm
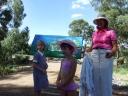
x,y
38,68
34,64
114,49
113,37
72,72
58,78
46,66
89,49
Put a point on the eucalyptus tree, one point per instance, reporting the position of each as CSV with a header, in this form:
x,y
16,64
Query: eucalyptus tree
x,y
12,39
81,28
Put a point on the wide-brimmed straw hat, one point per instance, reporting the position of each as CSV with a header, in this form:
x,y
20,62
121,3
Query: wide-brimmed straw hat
x,y
102,16
70,43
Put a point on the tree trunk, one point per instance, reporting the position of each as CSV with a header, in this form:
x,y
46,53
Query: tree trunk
x,y
117,58
117,55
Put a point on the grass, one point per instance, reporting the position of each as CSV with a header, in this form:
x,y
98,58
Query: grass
x,y
124,80
123,70
10,69
7,70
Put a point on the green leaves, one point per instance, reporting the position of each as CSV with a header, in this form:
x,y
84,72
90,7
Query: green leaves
x,y
12,40
5,18
18,11
81,28
76,27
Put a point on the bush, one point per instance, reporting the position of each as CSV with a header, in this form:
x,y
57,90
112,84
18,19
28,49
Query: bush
x,y
20,59
7,70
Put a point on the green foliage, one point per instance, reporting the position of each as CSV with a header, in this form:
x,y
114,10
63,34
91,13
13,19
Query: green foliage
x,y
123,59
24,41
76,27
81,28
12,40
21,59
7,70
123,70
18,11
5,18
125,81
11,43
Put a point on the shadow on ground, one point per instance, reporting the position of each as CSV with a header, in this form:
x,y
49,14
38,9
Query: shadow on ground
x,y
9,89
28,91
20,73
120,90
16,91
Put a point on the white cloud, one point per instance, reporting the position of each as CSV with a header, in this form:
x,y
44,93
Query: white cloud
x,y
79,4
76,5
76,15
83,1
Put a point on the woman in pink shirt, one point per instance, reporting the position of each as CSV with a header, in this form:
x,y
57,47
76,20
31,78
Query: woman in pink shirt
x,y
104,46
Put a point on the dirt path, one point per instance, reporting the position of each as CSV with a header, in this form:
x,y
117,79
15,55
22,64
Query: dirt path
x,y
21,83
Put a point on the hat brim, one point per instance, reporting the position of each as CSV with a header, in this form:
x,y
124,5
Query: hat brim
x,y
70,43
95,20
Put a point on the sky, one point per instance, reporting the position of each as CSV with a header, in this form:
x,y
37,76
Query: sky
x,y
48,17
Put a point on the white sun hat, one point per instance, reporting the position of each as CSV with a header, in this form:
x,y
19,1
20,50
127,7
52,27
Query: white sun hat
x,y
100,17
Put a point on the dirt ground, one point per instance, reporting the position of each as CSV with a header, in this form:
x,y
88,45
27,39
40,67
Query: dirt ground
x,y
21,83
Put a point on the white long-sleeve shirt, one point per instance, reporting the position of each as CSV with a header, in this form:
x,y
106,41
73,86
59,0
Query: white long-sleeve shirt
x,y
86,77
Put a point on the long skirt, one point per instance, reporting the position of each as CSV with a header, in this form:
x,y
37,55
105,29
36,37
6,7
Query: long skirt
x,y
102,72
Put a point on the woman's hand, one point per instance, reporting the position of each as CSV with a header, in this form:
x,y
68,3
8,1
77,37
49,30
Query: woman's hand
x,y
114,49
88,50
109,54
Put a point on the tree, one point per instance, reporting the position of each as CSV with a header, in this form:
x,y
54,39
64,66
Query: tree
x,y
81,28
117,13
25,38
18,13
12,44
5,18
14,33
13,40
